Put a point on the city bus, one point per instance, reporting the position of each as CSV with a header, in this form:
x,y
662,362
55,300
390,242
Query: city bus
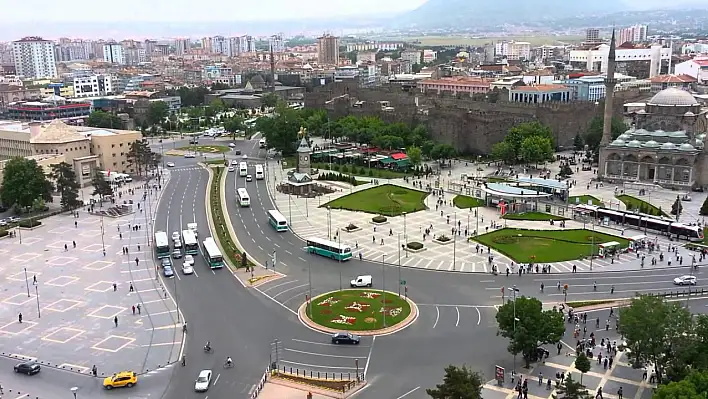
x,y
212,255
259,172
242,197
189,240
328,248
162,245
242,169
277,220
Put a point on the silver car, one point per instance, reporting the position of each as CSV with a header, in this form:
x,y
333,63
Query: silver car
x,y
203,381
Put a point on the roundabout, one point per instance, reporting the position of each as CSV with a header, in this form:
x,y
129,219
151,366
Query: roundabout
x,y
364,311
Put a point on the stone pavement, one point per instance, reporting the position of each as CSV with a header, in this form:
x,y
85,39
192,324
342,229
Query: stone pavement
x,y
273,390
69,312
308,218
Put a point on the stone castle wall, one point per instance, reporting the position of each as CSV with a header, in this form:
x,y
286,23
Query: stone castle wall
x,y
471,126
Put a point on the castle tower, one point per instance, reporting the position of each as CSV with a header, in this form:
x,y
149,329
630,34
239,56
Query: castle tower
x,y
610,83
303,154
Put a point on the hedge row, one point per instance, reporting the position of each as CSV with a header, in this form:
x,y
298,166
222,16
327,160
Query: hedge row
x,y
217,215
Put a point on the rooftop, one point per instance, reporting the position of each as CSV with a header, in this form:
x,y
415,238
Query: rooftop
x,y
683,78
541,88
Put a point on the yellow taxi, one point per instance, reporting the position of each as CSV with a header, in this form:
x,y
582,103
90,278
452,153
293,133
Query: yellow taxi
x,y
119,380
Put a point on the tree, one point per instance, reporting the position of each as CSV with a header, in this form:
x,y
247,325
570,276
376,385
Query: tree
x,y
535,149
217,105
694,386
654,329
504,151
234,125
458,383
24,182
677,207
105,120
566,170
594,132
157,112
66,184
415,155
270,100
142,157
582,364
533,326
578,142
101,186
704,208
416,68
571,389
443,152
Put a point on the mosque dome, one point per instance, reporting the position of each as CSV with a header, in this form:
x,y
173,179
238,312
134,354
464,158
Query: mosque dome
x,y
651,144
634,143
689,113
668,146
687,147
618,143
624,137
673,96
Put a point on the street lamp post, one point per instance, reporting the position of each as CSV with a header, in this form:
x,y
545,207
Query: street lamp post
x,y
476,217
36,293
329,223
454,244
309,279
103,242
174,280
339,239
383,286
405,240
290,209
592,244
27,283
399,263
515,319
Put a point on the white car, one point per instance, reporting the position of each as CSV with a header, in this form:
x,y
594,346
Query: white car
x,y
187,268
685,280
170,164
234,162
362,281
203,381
249,178
244,156
232,145
190,155
189,259
175,235
232,169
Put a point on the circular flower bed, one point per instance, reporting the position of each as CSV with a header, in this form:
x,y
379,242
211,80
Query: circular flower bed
x,y
443,238
358,310
505,239
351,226
379,219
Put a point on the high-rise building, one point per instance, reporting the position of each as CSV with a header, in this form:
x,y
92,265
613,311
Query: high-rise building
x,y
206,44
328,49
219,45
592,35
149,46
513,50
113,53
134,55
182,46
92,86
34,58
276,44
633,34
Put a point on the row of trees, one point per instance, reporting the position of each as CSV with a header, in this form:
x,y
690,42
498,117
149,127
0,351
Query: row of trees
x,y
529,142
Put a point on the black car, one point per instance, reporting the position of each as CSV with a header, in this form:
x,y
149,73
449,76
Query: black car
x,y
345,338
29,368
238,152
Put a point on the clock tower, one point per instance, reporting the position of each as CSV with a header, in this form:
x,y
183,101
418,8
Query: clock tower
x,y
303,153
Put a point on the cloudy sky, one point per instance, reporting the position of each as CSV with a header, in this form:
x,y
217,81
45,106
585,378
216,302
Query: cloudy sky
x,y
190,10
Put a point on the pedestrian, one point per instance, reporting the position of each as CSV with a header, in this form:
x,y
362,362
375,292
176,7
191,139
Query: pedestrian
x,y
120,235
133,309
66,248
74,242
138,247
94,370
619,393
19,317
131,287
115,320
34,280
599,393
559,346
138,306
540,378
76,224
137,261
115,287
612,359
1,391
604,364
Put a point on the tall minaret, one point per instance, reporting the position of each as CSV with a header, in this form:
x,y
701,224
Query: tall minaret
x,y
610,83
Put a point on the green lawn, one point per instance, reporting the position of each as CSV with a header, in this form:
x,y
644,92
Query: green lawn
x,y
634,203
387,199
358,310
497,179
535,216
359,170
465,202
217,215
545,246
583,199
212,149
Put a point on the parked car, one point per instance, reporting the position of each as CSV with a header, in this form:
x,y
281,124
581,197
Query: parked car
x,y
29,368
345,338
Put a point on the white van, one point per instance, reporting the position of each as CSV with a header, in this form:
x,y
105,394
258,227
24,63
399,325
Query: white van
x,y
262,143
361,281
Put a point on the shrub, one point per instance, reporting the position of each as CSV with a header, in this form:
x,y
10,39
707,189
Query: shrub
x,y
371,173
443,238
379,219
345,169
351,226
335,168
29,223
3,233
362,171
414,245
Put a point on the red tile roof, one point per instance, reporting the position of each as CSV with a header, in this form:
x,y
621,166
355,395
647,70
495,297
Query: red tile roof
x,y
399,155
702,62
540,88
683,78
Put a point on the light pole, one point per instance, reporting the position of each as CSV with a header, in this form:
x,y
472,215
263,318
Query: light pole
x,y
39,315
290,209
454,244
405,241
27,283
515,320
592,244
103,243
476,216
174,280
383,286
329,223
339,239
309,280
468,220
399,263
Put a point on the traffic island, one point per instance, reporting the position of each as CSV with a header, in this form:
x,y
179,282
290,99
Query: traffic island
x,y
362,311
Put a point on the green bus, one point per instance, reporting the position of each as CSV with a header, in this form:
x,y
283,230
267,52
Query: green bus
x,y
330,249
212,255
162,245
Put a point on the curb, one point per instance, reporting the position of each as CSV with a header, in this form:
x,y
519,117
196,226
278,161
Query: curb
x,y
410,319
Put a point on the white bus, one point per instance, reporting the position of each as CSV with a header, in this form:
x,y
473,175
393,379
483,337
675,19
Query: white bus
x,y
191,245
242,169
162,245
259,172
329,249
212,255
277,220
243,198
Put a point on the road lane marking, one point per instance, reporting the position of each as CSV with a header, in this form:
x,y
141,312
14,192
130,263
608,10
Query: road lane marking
x,y
162,344
288,252
274,300
457,323
318,366
479,315
301,259
279,285
408,393
437,316
216,380
324,355
276,244
289,289
443,305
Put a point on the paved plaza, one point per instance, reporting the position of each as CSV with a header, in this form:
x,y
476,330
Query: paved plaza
x,y
610,378
70,297
307,219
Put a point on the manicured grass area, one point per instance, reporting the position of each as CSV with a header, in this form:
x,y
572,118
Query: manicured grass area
x,y
217,216
535,216
583,200
634,203
387,199
358,310
210,149
497,179
363,171
580,304
545,246
215,162
465,202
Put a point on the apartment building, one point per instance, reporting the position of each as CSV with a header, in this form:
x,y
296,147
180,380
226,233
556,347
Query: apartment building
x,y
328,49
182,46
412,56
374,46
113,53
92,86
696,68
276,43
34,58
592,35
513,50
135,55
632,34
